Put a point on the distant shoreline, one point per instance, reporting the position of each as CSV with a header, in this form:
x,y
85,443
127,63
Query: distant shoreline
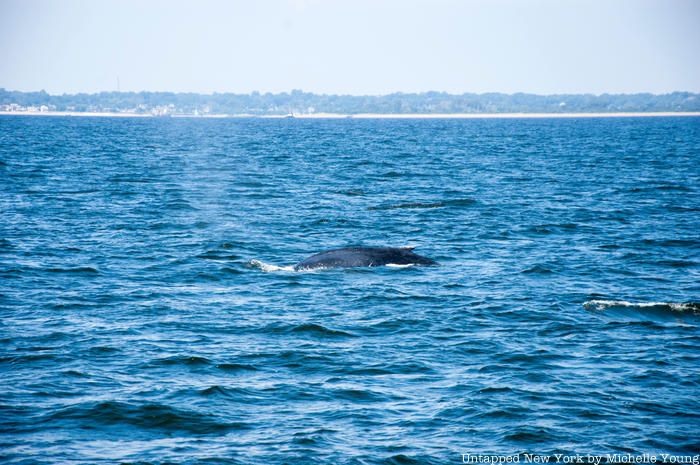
x,y
365,115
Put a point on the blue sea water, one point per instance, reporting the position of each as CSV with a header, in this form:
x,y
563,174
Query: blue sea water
x,y
148,314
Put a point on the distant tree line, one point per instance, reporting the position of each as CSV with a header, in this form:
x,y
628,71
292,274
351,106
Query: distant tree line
x,y
297,101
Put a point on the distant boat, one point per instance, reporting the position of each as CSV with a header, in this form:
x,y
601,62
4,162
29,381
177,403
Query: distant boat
x,y
289,115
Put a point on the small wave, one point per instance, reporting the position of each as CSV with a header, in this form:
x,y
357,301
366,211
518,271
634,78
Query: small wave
x,y
26,359
662,187
223,391
669,243
682,209
393,326
540,229
330,221
538,269
229,270
139,180
677,263
402,459
403,368
311,329
359,395
550,228
529,435
408,205
512,413
102,350
148,416
217,255
72,306
267,268
232,367
180,205
393,174
692,307
187,360
352,192
79,269
495,390
425,205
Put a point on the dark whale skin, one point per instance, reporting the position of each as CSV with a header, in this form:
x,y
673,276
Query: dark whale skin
x,y
351,257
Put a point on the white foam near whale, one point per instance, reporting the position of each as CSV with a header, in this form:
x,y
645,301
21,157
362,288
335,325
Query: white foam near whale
x,y
270,268
267,267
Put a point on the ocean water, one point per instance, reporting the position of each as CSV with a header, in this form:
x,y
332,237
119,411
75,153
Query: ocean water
x,y
149,315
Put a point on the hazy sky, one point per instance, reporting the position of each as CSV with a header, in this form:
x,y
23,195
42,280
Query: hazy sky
x,y
353,46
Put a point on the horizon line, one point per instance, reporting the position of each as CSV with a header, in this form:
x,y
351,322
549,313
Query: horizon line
x,y
300,91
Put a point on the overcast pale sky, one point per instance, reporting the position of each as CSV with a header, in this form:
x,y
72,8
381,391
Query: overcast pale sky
x,y
351,47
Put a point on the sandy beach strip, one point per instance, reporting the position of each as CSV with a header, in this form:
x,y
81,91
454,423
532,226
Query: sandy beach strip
x,y
367,115
74,113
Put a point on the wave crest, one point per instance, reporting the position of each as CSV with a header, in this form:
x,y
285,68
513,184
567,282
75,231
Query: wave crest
x,y
691,307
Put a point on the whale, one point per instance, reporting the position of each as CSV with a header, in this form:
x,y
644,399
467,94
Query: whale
x,y
353,257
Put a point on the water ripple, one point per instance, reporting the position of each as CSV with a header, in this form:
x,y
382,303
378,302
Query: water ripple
x,y
137,326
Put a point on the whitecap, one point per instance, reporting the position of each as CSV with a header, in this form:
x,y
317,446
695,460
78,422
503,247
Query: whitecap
x,y
675,306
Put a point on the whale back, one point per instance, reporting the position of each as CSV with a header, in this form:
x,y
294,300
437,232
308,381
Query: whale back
x,y
350,257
